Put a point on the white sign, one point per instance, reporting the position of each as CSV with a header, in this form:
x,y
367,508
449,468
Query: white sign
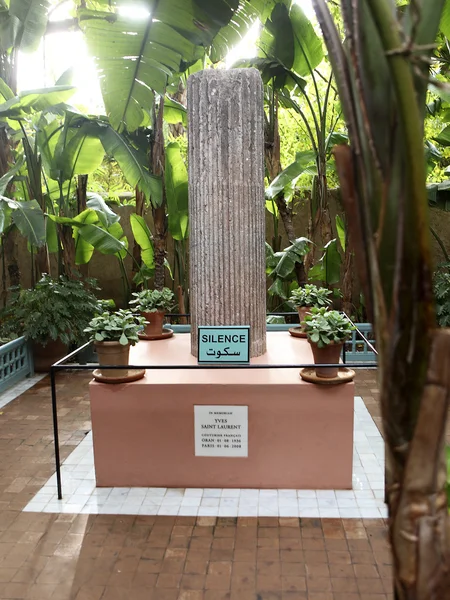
x,y
221,430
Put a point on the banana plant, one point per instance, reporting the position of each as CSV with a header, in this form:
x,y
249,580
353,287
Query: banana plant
x,y
137,56
382,73
290,52
176,184
286,268
137,59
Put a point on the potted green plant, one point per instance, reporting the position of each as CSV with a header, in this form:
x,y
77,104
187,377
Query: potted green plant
x,y
113,334
327,331
309,296
153,305
52,315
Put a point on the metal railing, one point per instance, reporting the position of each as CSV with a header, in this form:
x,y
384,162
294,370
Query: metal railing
x,y
64,364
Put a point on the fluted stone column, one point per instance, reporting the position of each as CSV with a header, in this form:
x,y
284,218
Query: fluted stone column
x,y
226,202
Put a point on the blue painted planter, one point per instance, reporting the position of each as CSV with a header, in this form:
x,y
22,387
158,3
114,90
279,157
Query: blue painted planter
x,y
16,363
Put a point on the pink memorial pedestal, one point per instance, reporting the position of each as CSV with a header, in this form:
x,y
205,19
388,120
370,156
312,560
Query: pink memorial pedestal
x,y
300,435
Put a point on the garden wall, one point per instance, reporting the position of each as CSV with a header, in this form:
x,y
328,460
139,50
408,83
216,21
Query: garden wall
x,y
106,268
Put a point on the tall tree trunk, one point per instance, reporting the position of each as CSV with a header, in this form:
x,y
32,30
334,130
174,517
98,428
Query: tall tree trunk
x,y
82,183
420,526
347,282
383,90
177,129
272,157
319,223
181,305
159,213
65,235
42,260
9,247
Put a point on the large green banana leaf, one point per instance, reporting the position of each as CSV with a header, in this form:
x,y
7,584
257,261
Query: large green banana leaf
x,y
132,163
109,240
135,57
290,40
302,161
174,112
328,268
5,217
78,150
28,218
143,237
7,177
107,216
23,24
176,178
78,147
34,101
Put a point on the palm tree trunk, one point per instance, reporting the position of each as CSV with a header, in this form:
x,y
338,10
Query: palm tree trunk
x,y
383,178
419,523
272,157
82,182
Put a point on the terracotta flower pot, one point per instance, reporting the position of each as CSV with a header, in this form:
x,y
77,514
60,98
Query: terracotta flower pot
x,y
155,322
329,354
112,353
302,310
45,356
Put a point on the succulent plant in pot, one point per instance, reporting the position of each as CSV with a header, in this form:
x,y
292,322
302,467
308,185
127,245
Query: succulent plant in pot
x,y
113,335
327,331
153,305
309,296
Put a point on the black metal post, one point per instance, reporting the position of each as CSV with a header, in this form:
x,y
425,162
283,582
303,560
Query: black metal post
x,y
56,432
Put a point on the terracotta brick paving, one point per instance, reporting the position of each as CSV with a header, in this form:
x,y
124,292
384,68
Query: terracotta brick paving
x,y
107,557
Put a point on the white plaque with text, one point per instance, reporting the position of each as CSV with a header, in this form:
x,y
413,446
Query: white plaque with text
x,y
221,430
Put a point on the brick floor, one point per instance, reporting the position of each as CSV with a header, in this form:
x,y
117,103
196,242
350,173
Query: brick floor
x,y
107,557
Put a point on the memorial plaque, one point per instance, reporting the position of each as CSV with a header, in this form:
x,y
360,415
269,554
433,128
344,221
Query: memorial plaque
x,y
221,430
224,344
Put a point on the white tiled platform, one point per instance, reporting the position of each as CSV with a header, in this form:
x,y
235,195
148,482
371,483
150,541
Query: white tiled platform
x,y
364,501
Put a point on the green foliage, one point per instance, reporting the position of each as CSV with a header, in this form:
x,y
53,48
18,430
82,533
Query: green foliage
x,y
27,216
54,309
34,101
441,286
311,295
24,24
143,237
120,326
325,327
290,174
328,268
154,300
280,266
136,57
275,320
176,179
109,181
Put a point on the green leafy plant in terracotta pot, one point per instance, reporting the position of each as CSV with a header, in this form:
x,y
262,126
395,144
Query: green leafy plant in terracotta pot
x,y
113,334
153,305
327,331
309,296
52,315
